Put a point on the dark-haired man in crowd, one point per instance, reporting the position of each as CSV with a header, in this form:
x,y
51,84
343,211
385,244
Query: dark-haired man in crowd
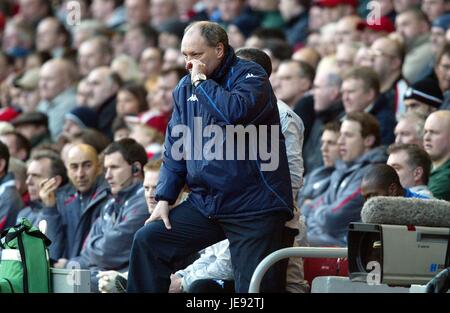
x,y
109,241
413,166
361,93
318,180
359,147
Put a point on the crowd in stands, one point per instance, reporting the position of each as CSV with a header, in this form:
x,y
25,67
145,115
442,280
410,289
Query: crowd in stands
x,y
86,96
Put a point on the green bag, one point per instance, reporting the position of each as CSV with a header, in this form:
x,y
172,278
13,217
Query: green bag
x,y
24,263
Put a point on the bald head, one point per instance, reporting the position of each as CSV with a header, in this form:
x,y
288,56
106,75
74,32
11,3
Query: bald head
x,y
436,139
387,56
326,91
388,46
213,33
345,54
83,149
346,31
442,114
206,42
443,118
56,76
83,167
307,55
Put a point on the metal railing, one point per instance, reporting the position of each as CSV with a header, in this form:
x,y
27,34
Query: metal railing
x,y
305,252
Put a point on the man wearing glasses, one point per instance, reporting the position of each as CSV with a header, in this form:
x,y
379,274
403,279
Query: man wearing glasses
x,y
387,59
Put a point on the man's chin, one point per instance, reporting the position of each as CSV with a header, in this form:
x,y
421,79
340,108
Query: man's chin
x,y
83,189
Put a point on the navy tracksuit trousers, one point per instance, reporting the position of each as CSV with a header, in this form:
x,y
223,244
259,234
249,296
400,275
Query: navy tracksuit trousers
x,y
155,249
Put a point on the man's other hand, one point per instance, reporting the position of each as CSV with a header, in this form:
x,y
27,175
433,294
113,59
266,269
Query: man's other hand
x,y
161,212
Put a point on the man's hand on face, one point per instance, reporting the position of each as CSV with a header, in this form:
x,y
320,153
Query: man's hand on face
x,y
161,212
47,191
196,67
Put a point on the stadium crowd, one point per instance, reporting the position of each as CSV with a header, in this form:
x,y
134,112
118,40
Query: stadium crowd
x,y
86,97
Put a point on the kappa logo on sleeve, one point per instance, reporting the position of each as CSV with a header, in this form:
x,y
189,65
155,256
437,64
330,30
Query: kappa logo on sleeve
x,y
250,75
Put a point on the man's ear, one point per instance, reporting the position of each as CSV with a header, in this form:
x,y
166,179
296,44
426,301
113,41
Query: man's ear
x,y
369,141
220,50
418,173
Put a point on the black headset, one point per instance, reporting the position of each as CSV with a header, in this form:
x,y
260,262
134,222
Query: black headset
x,y
134,169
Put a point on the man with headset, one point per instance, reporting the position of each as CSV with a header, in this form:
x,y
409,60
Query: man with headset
x,y
108,244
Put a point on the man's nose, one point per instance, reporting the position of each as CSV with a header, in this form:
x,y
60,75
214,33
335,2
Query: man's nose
x,y
80,172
